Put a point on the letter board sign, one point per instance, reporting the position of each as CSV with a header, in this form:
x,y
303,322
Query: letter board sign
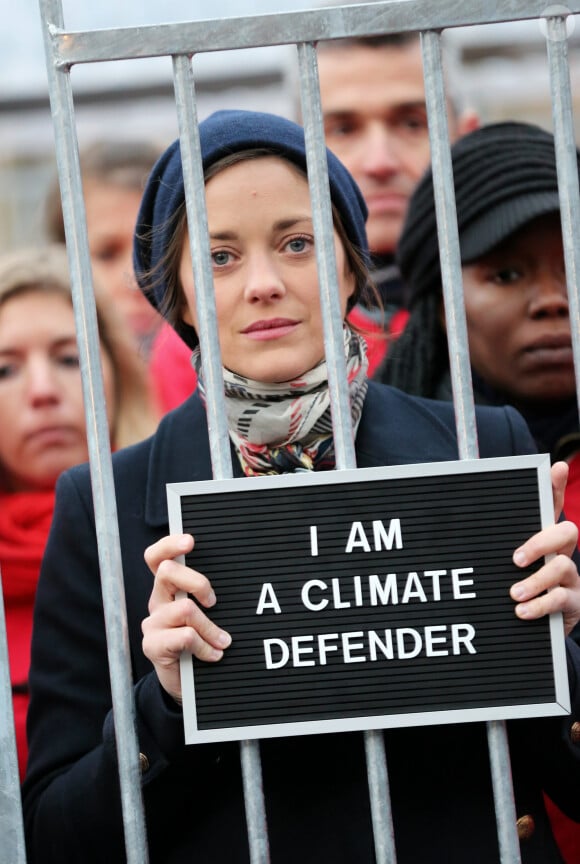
x,y
369,598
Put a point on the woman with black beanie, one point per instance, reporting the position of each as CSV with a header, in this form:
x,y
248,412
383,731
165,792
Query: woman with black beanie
x,y
518,324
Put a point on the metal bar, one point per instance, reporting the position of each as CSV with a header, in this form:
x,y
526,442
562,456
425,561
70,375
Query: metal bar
x,y
325,258
219,440
12,847
460,367
444,192
567,167
107,528
503,794
309,25
337,383
380,797
198,232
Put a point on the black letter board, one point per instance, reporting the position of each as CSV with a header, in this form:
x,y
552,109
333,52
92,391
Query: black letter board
x,y
369,598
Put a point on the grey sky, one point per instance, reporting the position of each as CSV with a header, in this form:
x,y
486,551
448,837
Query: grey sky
x,y
22,64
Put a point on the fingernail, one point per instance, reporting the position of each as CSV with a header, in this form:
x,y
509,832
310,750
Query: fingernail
x,y
224,639
523,610
184,542
211,599
517,592
519,558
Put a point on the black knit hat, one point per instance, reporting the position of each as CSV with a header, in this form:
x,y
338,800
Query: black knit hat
x,y
221,134
505,176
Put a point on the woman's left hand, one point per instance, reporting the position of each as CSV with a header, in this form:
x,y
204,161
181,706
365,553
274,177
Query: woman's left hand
x,y
560,574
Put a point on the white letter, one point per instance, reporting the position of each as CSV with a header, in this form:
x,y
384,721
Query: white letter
x,y
271,664
323,648
430,640
268,599
347,647
466,638
457,583
314,607
393,535
297,650
413,588
380,593
358,598
357,537
386,646
434,575
338,603
412,652
313,540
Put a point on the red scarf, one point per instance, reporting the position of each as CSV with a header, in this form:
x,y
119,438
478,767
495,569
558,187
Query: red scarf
x,y
25,519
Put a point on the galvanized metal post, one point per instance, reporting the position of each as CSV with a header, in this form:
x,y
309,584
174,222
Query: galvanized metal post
x,y
107,528
567,167
339,398
219,440
12,846
462,387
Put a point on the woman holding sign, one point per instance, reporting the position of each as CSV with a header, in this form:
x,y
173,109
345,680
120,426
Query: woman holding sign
x,y
270,330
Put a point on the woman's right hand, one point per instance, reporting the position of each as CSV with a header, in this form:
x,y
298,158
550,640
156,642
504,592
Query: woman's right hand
x,y
179,625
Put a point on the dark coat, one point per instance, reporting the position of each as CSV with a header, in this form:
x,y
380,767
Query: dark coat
x,y
316,787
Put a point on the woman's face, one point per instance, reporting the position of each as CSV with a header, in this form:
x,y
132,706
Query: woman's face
x,y
111,215
43,428
264,270
518,318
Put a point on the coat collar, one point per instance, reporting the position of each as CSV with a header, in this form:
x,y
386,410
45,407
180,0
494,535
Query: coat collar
x,y
179,453
393,430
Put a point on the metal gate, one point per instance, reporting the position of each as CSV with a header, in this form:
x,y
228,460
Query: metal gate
x,y
65,49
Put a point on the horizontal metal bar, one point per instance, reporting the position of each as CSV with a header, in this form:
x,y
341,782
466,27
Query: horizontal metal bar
x,y
312,25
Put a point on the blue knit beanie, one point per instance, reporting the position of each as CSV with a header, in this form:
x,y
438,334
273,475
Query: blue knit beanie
x,y
221,134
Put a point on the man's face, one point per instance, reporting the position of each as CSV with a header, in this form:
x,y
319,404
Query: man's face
x,y
375,119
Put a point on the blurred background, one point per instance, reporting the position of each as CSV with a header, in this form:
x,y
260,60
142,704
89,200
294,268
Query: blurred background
x,y
502,72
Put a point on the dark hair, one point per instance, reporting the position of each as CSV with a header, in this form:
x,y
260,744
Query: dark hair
x,y
383,40
125,164
419,357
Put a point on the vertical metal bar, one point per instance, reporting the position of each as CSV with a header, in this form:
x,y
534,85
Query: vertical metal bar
x,y
107,528
198,232
567,167
11,828
325,259
342,424
462,387
219,439
447,233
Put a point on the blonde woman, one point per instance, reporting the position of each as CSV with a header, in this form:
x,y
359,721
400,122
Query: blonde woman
x,y
42,425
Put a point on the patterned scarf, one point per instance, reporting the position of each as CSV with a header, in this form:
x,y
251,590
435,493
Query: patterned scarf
x,y
279,428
